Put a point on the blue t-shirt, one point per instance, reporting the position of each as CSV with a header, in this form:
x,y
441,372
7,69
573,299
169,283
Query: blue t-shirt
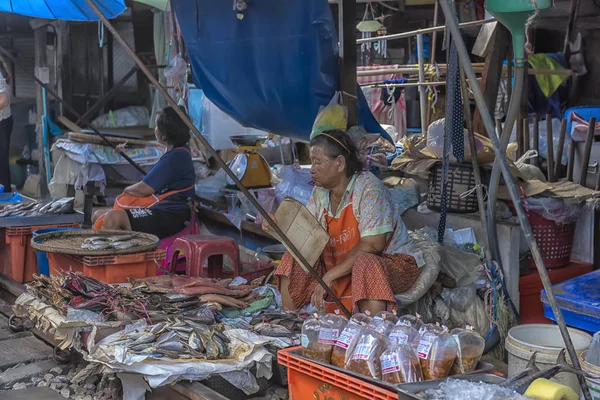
x,y
174,171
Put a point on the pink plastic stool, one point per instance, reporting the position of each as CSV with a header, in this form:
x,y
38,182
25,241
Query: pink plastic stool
x,y
200,248
167,244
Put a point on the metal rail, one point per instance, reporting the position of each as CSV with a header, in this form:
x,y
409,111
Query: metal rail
x,y
512,189
216,156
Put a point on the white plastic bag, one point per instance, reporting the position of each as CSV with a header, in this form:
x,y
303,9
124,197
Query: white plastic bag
x,y
295,183
435,140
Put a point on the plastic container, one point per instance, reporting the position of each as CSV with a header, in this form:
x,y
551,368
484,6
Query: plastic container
x,y
470,348
579,301
311,380
593,378
531,308
20,258
437,352
461,178
547,341
42,259
311,346
109,269
347,340
554,240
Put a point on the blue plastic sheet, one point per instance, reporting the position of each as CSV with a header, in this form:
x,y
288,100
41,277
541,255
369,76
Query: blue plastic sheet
x,y
67,10
271,70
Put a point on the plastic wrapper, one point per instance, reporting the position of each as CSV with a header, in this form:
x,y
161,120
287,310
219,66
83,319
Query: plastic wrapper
x,y
593,354
381,325
295,183
437,352
554,209
311,347
400,364
404,334
348,338
333,325
332,116
459,298
435,140
388,316
413,321
366,356
475,315
470,348
457,263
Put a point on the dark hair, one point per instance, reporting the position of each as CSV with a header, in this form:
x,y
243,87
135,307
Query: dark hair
x,y
172,127
337,143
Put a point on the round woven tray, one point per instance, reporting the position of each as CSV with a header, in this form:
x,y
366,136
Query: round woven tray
x,y
69,242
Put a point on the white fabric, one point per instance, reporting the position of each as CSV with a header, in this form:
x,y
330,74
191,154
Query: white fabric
x,y
4,88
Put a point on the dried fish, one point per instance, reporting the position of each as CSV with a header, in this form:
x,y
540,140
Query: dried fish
x,y
158,328
195,343
146,338
170,346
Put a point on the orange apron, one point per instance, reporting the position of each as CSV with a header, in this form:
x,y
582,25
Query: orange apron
x,y
344,236
125,201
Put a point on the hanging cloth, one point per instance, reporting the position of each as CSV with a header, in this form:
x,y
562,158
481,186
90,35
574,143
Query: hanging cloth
x,y
453,130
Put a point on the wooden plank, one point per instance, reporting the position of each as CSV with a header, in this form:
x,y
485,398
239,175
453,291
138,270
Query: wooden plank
x,y
560,149
23,350
70,125
536,140
347,35
585,160
31,393
550,148
20,374
492,72
197,391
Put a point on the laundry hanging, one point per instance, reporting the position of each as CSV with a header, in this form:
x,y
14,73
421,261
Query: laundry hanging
x,y
271,67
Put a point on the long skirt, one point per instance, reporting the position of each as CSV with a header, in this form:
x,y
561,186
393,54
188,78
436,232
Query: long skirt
x,y
373,278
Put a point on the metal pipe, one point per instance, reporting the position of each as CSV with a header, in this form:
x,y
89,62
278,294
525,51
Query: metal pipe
x,y
71,110
514,192
290,246
407,84
424,31
422,89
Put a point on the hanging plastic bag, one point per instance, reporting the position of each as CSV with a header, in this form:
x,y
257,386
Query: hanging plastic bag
x,y
470,348
400,364
366,357
311,347
332,116
529,171
295,183
344,345
437,352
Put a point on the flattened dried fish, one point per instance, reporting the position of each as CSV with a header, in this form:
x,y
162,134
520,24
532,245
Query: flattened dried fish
x,y
195,343
146,338
158,328
170,346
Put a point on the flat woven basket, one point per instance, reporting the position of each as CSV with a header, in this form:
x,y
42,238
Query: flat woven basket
x,y
69,242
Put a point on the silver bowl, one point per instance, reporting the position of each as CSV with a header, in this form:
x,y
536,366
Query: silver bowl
x,y
248,140
275,251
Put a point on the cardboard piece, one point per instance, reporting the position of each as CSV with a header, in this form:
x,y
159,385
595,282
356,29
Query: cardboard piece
x,y
303,230
569,192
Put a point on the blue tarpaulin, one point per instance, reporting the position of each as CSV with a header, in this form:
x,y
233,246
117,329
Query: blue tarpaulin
x,y
271,70
67,10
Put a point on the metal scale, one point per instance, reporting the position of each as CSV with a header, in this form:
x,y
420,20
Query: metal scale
x,y
249,166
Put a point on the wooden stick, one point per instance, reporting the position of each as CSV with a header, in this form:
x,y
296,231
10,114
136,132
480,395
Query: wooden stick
x,y
499,126
560,149
526,138
597,186
536,140
520,149
571,161
549,148
587,152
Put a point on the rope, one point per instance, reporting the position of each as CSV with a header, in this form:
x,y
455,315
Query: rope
x,y
530,20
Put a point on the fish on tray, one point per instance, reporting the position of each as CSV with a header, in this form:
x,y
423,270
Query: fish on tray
x,y
117,242
35,209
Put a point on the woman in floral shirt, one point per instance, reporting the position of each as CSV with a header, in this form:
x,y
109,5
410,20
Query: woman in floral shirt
x,y
365,262
6,125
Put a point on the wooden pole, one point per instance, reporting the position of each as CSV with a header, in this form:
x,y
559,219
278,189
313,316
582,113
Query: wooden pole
x,y
585,160
536,140
560,149
550,148
526,139
347,35
41,67
571,161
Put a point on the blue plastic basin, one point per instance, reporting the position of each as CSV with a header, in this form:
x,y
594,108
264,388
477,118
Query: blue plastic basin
x,y
42,259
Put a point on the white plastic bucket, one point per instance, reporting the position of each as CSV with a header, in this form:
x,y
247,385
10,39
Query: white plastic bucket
x,y
546,340
593,384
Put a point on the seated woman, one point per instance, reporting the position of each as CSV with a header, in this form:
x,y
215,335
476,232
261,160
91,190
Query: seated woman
x,y
365,262
161,203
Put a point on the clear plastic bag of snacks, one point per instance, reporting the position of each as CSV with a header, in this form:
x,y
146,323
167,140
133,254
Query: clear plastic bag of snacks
x,y
348,338
400,364
381,325
404,334
437,352
366,356
387,315
311,348
411,320
333,325
470,348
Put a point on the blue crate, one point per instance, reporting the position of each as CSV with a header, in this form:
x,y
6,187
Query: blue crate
x,y
579,301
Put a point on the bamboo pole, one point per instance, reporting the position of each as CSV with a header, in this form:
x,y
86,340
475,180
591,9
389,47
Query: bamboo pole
x,y
305,264
514,192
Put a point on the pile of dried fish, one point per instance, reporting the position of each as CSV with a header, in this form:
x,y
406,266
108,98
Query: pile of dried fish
x,y
178,339
278,323
117,242
35,209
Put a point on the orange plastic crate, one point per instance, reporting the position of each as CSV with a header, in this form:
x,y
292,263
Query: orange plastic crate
x,y
109,269
18,257
308,380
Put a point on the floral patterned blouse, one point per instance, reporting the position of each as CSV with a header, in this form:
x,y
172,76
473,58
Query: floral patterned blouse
x,y
4,88
373,207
